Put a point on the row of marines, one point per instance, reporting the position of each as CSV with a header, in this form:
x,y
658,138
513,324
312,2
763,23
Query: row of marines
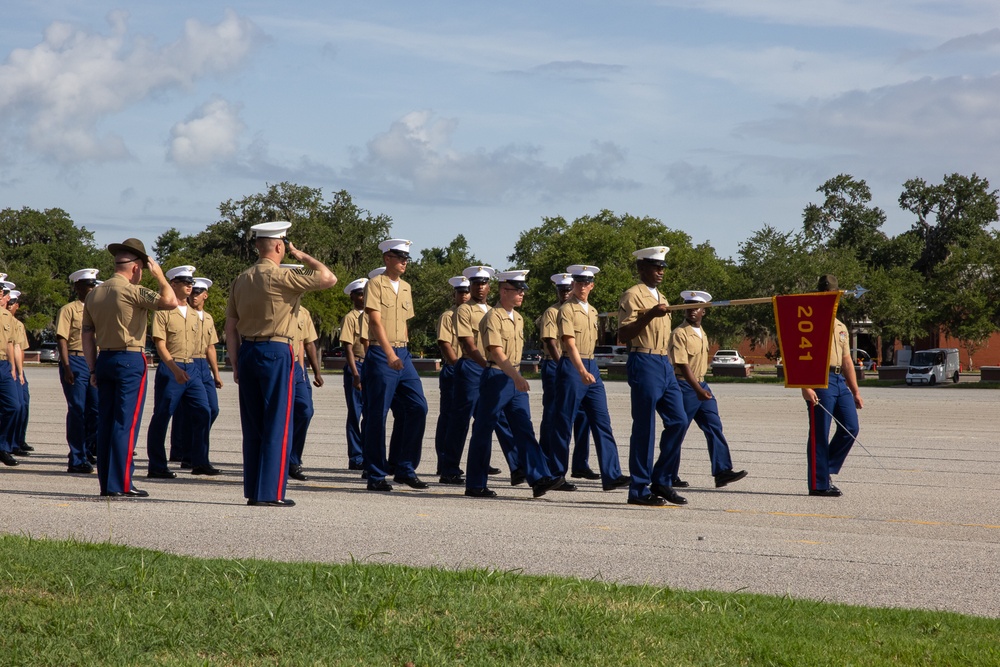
x,y
270,336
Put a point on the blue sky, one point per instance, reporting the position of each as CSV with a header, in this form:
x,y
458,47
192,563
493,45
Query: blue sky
x,y
714,116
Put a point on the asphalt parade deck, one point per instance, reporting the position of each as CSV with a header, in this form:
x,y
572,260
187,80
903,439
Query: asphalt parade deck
x,y
918,525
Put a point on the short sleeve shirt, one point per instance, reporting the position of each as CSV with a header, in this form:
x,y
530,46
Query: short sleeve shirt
x,y
350,332
634,302
497,329
548,326
207,336
579,323
394,307
467,319
840,344
118,312
180,331
6,331
446,330
69,325
687,347
265,299
20,334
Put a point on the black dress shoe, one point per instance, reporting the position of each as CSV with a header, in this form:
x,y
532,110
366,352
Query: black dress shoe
x,y
205,470
271,503
161,474
617,483
649,501
26,447
19,451
7,459
481,493
728,477
668,494
187,465
585,474
355,466
543,486
84,468
566,486
452,480
412,482
295,472
364,474
134,493
379,486
92,458
832,492
492,471
680,483
517,477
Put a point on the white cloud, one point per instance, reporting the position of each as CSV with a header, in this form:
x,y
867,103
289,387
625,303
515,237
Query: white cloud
x,y
58,92
414,159
210,135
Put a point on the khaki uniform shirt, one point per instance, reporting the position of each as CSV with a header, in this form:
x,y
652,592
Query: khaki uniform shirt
x,y
548,327
207,336
467,319
687,347
446,331
20,334
575,321
350,332
265,299
634,302
840,344
118,311
6,332
497,329
69,325
305,333
394,308
181,332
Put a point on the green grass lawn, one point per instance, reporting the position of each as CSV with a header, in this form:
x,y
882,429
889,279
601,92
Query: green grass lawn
x,y
69,603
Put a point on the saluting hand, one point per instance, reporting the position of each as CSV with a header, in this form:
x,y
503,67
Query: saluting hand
x,y
154,268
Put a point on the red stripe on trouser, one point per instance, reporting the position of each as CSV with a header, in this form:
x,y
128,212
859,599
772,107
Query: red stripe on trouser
x,y
135,422
284,436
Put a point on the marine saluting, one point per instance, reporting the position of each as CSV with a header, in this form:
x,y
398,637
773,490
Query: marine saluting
x,y
260,331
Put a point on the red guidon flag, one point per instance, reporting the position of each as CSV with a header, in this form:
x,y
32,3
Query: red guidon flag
x,y
805,330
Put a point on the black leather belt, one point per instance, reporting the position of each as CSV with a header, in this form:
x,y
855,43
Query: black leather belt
x,y
76,353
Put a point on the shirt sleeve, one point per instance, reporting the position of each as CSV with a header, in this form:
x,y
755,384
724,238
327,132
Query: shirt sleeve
x,y
141,297
213,335
677,349
463,321
628,308
446,326
373,295
309,330
160,324
565,321
63,321
492,333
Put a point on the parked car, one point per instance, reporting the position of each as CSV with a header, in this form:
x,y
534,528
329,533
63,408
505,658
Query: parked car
x,y
49,352
531,355
933,366
728,358
865,359
610,354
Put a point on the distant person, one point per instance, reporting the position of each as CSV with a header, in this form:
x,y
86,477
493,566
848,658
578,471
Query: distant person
x,y
260,331
74,376
579,386
389,373
194,453
548,333
178,382
841,400
644,325
502,391
10,395
689,356
115,319
20,446
451,352
354,353
306,357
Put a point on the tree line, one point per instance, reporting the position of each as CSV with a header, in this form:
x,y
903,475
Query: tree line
x,y
937,275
